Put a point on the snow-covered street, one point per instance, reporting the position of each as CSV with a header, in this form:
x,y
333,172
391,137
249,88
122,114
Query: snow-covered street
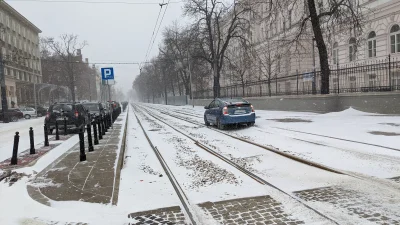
x,y
290,168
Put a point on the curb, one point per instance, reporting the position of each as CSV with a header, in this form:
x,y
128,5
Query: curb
x,y
120,164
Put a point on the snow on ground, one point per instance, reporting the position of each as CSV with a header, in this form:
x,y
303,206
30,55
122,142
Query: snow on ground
x,y
349,124
7,133
142,177
284,173
202,176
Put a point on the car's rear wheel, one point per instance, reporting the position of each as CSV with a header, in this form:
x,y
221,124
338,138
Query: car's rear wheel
x,y
206,121
51,131
250,124
219,125
14,119
27,117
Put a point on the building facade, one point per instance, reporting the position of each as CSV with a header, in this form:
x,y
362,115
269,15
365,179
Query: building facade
x,y
19,42
368,61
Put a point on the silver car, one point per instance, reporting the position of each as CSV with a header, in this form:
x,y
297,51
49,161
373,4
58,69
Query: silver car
x,y
28,112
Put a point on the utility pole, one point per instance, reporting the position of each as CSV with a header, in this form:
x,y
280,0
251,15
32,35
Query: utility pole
x,y
112,107
4,103
190,76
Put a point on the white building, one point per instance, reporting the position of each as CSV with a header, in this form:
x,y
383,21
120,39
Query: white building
x,y
286,65
19,41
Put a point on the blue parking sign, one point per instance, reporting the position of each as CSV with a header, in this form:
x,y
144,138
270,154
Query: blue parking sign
x,y
107,73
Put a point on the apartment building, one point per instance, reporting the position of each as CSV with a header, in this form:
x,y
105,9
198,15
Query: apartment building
x,y
19,42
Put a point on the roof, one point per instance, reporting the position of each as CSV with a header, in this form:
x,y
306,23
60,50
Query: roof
x,y
19,16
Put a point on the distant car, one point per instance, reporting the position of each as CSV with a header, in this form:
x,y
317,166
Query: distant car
x,y
12,114
95,109
28,112
223,112
75,114
40,110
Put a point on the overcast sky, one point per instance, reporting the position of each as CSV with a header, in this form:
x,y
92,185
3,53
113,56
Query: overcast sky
x,y
115,32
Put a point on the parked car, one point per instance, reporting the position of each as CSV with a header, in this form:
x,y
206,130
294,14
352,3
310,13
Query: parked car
x,y
28,112
12,114
95,109
75,114
40,110
223,112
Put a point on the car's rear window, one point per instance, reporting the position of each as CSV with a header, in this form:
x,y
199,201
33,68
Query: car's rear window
x,y
234,101
92,107
62,107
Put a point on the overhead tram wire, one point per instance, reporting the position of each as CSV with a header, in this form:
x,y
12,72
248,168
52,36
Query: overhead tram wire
x,y
92,2
152,36
162,19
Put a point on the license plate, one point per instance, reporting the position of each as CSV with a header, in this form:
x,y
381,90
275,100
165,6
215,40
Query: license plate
x,y
240,111
66,118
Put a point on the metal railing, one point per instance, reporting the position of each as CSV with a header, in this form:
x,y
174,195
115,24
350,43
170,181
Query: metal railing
x,y
377,76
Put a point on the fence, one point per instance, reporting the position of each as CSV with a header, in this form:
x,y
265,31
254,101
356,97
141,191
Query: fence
x,y
379,76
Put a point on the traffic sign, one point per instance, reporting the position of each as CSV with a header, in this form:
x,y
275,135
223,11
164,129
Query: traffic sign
x,y
308,76
107,73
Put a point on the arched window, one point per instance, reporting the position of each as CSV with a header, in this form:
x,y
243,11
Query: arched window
x,y
352,49
395,39
371,42
335,53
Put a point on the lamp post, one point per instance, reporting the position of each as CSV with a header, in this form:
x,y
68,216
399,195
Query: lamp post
x,y
4,103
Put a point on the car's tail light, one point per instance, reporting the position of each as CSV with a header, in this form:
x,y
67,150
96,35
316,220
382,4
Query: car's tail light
x,y
225,111
252,108
76,114
47,115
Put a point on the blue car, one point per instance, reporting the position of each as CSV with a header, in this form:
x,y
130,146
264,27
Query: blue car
x,y
223,112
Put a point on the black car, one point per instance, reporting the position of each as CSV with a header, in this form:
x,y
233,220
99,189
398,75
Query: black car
x,y
40,110
75,114
95,109
12,114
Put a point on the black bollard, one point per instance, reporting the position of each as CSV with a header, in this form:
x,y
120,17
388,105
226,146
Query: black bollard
x,y
89,135
14,159
46,136
82,155
96,140
65,126
57,134
100,131
105,123
32,141
103,128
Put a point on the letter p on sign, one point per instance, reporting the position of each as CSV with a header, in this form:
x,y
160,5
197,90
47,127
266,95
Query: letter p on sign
x,y
107,73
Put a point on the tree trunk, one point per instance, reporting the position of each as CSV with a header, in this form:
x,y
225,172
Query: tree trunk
x,y
269,87
323,53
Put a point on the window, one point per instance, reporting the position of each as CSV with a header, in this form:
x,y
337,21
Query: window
x,y
352,49
371,44
395,39
335,53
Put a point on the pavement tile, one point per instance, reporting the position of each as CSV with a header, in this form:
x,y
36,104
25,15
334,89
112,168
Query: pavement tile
x,y
247,211
89,181
354,202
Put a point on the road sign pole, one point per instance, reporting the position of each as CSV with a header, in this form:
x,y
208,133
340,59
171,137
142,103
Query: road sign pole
x,y
112,108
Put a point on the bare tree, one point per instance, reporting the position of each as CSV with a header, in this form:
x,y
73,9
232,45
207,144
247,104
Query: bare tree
x,y
319,19
219,22
66,49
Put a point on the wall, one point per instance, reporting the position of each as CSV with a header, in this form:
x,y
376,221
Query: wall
x,y
172,100
387,103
